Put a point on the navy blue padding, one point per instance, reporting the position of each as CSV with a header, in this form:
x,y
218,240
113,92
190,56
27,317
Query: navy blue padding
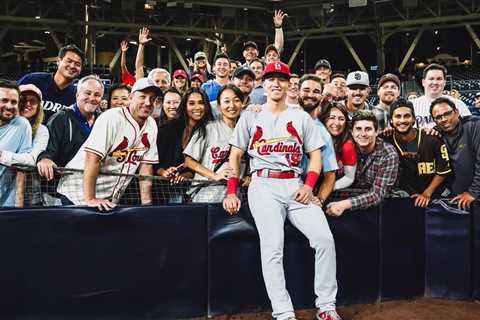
x,y
448,253
358,264
476,250
234,269
402,249
139,263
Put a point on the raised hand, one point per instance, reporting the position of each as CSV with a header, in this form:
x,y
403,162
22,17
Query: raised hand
x,y
278,18
143,36
124,46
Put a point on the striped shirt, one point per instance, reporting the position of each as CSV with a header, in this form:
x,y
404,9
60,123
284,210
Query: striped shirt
x,y
422,110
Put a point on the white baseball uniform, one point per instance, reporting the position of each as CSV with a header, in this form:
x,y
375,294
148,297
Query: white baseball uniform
x,y
422,104
122,145
277,141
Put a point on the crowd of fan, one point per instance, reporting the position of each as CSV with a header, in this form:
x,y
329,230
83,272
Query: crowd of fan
x,y
178,126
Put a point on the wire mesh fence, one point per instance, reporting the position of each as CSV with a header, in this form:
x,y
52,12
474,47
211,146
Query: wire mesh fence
x,y
22,186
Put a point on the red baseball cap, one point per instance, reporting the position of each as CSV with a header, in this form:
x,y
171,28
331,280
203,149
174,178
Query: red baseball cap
x,y
180,73
278,69
198,76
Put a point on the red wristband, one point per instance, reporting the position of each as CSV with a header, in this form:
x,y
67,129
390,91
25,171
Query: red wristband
x,y
232,185
311,179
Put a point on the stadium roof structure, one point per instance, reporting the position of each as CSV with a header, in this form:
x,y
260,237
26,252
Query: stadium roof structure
x,y
225,21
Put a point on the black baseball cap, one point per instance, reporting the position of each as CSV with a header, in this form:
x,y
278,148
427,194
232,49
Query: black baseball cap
x,y
250,44
240,71
323,63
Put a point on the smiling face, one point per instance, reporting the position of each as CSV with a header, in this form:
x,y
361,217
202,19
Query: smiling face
x,y
341,85
70,65
310,95
293,88
388,92
119,98
30,104
195,107
445,117
257,68
364,134
250,53
357,95
403,120
230,105
244,82
143,103
336,122
161,80
89,96
179,83
276,88
434,83
324,73
271,56
171,103
9,100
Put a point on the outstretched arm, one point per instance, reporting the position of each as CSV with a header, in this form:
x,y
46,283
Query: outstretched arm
x,y
143,39
278,23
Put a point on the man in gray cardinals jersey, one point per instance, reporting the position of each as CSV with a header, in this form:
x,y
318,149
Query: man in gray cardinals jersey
x,y
276,139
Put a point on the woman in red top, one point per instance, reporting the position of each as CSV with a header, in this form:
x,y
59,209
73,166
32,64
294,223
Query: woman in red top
x,y
335,118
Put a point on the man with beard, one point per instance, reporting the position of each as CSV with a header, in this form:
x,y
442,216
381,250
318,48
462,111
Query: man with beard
x,y
434,81
388,91
358,89
462,138
323,69
58,91
424,162
339,81
309,99
221,68
377,166
15,136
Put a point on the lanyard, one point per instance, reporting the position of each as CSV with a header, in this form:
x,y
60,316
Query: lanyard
x,y
86,128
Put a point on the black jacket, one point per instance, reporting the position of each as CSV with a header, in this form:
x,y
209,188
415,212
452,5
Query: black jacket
x,y
66,137
464,150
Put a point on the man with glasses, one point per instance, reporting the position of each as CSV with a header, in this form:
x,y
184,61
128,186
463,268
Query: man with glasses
x,y
462,138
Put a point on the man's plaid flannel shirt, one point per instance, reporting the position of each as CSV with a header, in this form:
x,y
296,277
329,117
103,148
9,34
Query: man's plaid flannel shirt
x,y
377,173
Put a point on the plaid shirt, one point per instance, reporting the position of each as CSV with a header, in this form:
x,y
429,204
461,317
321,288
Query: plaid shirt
x,y
377,173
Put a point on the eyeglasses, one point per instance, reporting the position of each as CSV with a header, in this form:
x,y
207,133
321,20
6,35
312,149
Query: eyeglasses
x,y
445,115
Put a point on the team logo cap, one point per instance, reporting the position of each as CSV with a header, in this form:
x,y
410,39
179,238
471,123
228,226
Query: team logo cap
x,y
358,78
144,84
277,68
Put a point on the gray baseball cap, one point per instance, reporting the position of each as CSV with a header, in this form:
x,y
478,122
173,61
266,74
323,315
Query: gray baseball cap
x,y
144,84
358,78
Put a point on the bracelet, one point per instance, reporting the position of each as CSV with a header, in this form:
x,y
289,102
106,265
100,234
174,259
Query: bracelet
x,y
311,179
232,185
279,27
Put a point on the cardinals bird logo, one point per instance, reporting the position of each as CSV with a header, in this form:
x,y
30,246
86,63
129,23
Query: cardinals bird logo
x,y
145,141
291,129
121,147
256,137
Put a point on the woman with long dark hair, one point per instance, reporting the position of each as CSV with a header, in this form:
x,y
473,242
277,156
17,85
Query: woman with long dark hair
x,y
335,118
171,106
173,136
119,96
207,156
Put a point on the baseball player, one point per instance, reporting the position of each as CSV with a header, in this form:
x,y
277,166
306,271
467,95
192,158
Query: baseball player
x,y
276,139
122,140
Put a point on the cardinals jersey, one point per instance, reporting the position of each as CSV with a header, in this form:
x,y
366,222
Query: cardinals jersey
x,y
121,145
277,141
422,110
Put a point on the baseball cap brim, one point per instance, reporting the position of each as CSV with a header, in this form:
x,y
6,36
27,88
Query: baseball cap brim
x,y
276,74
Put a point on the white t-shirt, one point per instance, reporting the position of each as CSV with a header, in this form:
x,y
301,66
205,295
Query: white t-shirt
x,y
422,104
122,145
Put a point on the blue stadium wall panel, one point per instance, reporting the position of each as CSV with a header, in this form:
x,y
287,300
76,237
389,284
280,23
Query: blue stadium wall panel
x,y
402,250
356,237
138,263
476,251
448,243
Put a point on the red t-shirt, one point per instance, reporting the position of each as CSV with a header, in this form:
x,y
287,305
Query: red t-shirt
x,y
347,156
128,79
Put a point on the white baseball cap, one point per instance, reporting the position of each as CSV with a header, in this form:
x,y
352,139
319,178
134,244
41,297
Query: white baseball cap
x,y
145,83
358,78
